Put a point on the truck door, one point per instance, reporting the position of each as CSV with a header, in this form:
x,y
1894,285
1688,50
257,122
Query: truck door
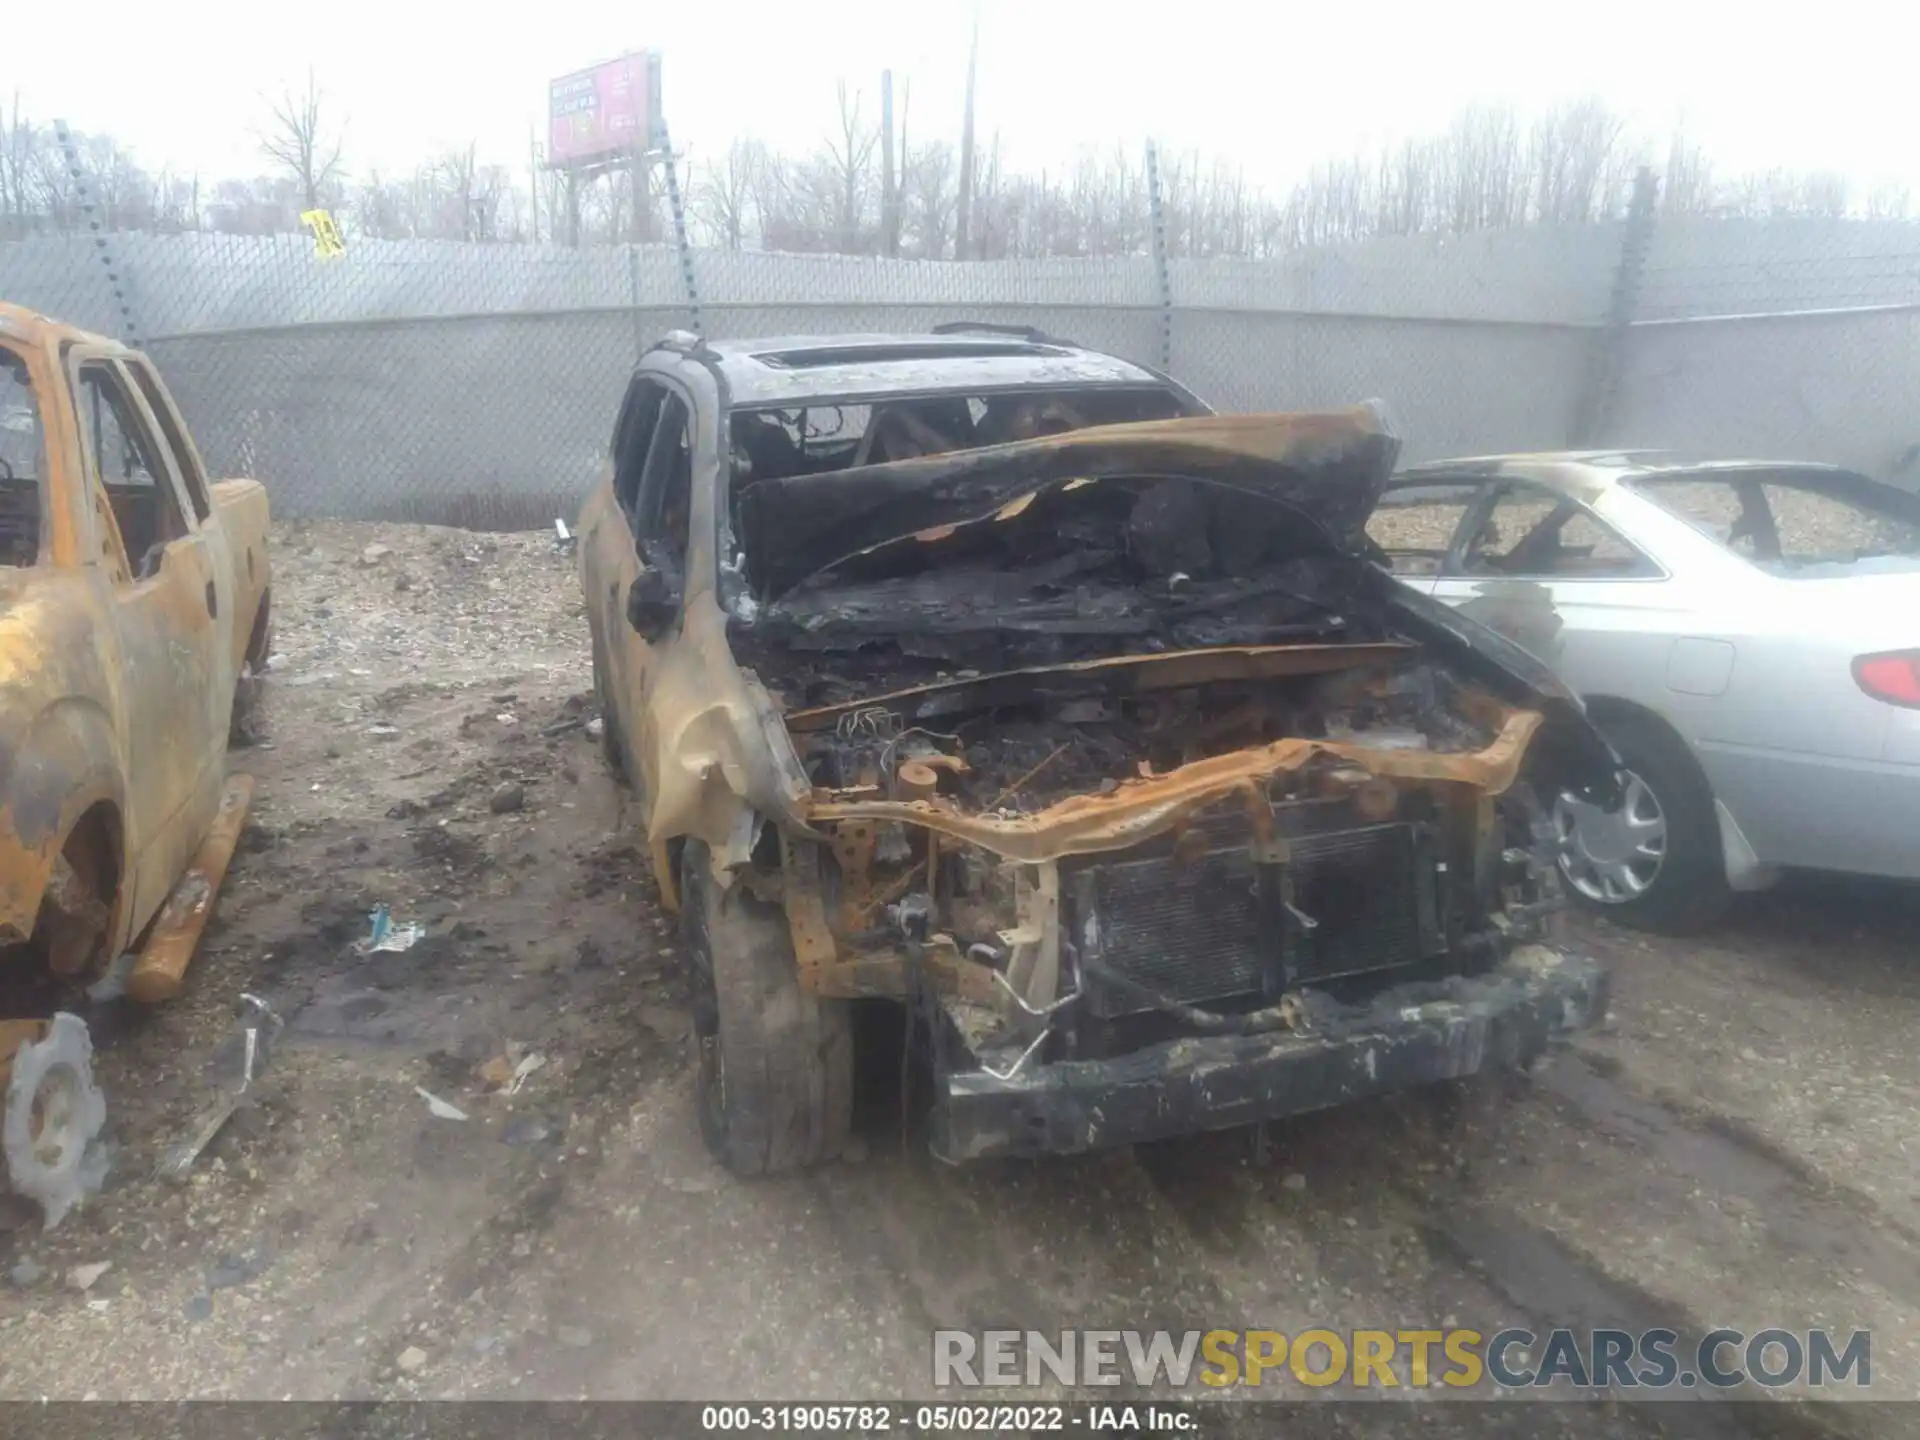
x,y
163,594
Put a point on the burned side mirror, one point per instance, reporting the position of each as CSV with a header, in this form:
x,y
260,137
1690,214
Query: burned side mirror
x,y
653,603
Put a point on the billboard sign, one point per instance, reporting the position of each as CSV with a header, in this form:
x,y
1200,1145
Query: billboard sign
x,y
605,111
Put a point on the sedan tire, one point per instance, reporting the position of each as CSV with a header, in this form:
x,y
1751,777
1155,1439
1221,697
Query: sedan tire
x,y
1655,862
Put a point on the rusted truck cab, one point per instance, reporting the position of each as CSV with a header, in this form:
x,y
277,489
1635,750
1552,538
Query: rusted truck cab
x,y
992,675
133,598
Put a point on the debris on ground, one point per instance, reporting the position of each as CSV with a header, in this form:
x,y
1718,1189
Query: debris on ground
x,y
259,1027
112,983
84,1277
440,1109
410,1359
385,934
529,1063
507,1072
233,1269
508,798
525,1130
54,1115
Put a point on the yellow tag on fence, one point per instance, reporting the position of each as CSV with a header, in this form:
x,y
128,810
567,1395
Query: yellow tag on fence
x,y
326,235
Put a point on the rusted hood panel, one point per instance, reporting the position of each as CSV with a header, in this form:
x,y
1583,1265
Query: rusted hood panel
x,y
1330,468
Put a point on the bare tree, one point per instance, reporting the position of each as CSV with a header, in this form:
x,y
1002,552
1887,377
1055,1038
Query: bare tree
x,y
19,143
1889,201
850,160
929,194
1786,194
1478,173
380,209
300,138
1687,183
1488,169
469,202
723,192
1573,154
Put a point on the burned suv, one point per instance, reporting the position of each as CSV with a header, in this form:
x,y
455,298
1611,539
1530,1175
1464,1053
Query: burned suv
x,y
994,676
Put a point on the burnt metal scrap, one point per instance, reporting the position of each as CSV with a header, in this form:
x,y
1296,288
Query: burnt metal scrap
x,y
1403,1036
54,1114
1324,472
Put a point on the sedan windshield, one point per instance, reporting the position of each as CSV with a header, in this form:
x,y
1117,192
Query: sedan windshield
x,y
1799,523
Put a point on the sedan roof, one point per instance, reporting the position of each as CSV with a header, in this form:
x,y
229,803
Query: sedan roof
x,y
1586,473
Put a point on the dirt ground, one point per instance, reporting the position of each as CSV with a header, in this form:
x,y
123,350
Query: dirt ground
x,y
1736,1148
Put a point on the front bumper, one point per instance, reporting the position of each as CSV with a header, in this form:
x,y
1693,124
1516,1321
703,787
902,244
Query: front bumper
x,y
1406,1036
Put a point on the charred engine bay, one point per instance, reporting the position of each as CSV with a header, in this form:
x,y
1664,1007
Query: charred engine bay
x,y
1085,571
1015,755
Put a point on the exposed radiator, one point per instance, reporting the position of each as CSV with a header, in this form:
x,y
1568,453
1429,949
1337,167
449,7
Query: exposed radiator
x,y
1211,928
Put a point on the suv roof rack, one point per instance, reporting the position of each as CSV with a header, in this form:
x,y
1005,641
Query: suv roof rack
x,y
1029,333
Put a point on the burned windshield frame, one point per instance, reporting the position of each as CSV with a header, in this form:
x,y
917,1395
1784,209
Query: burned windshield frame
x,y
23,464
923,422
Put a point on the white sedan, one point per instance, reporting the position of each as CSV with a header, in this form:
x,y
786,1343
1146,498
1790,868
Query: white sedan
x,y
1746,634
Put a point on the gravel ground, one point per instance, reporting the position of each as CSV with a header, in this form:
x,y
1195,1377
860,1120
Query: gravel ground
x,y
1735,1148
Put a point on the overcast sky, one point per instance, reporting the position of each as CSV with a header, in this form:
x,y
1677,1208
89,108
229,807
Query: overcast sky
x,y
1273,88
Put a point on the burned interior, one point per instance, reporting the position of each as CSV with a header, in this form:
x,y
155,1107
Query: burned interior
x,y
1117,737
811,439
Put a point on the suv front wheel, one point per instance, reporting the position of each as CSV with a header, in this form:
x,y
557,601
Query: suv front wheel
x,y
773,1065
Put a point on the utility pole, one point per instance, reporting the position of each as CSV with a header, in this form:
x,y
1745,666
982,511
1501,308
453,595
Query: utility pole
x,y
964,211
889,192
640,173
533,182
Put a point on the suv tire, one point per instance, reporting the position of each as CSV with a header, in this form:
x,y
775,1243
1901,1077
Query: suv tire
x,y
610,746
773,1065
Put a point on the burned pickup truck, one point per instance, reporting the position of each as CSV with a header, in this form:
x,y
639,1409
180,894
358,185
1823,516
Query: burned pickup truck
x,y
993,676
134,610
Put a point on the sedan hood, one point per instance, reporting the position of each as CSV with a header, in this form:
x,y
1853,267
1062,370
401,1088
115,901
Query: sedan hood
x,y
1329,468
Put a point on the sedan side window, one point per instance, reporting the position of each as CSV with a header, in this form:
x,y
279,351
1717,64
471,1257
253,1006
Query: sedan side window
x,y
1415,524
1536,533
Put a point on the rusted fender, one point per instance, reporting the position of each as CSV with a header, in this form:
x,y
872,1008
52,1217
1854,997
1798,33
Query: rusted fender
x,y
723,754
59,754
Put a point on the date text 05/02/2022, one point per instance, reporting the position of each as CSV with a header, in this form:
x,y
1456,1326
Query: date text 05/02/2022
x,y
947,1419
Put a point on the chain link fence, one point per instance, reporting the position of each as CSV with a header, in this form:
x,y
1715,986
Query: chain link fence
x,y
476,384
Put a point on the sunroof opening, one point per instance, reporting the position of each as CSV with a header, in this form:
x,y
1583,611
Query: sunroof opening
x,y
877,354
